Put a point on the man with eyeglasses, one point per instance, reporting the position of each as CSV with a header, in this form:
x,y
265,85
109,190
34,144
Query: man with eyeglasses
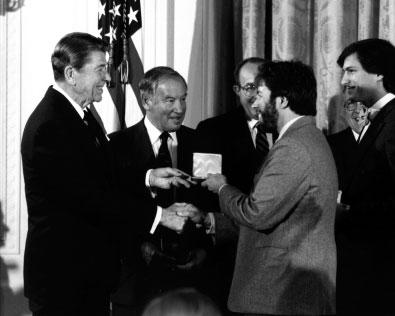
x,y
344,144
233,135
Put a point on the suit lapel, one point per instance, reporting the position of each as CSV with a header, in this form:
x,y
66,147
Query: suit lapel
x,y
369,138
144,146
240,133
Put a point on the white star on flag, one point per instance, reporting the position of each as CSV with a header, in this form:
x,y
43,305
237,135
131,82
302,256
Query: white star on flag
x,y
98,32
115,11
112,33
102,10
132,15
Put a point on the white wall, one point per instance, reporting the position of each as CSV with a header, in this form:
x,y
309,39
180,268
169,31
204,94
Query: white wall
x,y
175,33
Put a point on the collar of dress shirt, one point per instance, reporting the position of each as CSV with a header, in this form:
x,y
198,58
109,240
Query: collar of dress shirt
x,y
287,125
252,123
356,135
79,110
383,101
154,133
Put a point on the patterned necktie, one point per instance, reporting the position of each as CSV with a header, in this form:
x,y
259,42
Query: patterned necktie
x,y
261,143
165,197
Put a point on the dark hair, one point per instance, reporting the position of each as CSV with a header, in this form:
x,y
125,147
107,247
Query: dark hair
x,y
154,76
377,56
251,60
293,80
182,302
74,49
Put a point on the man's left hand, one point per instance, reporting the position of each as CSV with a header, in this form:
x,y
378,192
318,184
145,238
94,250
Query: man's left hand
x,y
196,259
214,182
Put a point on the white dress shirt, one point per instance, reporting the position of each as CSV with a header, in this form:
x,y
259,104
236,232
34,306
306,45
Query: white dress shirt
x,y
154,134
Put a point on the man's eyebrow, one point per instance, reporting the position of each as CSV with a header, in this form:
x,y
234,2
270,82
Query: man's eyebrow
x,y
101,65
349,67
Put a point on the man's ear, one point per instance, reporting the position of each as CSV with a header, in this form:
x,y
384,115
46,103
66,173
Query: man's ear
x,y
283,102
236,89
380,77
69,75
147,102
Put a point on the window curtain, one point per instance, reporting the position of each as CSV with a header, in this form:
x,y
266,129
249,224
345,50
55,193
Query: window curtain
x,y
314,32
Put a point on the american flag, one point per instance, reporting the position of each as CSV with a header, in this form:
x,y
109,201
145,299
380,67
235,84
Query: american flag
x,y
119,22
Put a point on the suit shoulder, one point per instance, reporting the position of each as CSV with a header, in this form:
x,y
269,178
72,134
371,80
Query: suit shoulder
x,y
338,137
187,130
221,121
125,133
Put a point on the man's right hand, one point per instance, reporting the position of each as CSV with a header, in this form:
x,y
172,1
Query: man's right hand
x,y
165,178
171,220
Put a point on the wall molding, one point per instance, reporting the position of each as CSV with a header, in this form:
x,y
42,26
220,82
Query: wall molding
x,y
10,130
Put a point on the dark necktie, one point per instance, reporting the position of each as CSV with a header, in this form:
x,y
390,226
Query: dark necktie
x,y
94,128
261,143
165,197
163,159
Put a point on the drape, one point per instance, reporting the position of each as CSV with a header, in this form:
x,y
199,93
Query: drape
x,y
315,32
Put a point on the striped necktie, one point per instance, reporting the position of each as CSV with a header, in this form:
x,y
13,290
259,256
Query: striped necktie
x,y
261,143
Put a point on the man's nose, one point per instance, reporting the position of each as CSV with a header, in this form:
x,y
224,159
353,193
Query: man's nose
x,y
178,106
344,79
107,77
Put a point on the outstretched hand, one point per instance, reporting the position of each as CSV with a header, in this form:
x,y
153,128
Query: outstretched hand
x,y
165,178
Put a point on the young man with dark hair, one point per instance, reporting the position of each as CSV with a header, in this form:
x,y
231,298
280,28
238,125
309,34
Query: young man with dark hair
x,y
286,253
366,276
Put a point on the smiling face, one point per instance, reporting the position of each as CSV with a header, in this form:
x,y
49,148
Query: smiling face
x,y
357,116
358,84
166,108
246,77
266,108
91,79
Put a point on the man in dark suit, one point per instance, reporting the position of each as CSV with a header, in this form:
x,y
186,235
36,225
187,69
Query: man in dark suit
x,y
368,197
233,135
168,260
71,257
286,254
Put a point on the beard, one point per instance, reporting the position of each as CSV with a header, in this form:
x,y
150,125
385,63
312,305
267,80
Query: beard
x,y
269,117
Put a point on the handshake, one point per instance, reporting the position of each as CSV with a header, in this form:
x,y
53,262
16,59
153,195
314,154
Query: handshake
x,y
176,216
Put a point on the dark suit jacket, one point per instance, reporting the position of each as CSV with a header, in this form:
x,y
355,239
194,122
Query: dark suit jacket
x,y
344,148
369,234
74,211
136,157
286,255
229,135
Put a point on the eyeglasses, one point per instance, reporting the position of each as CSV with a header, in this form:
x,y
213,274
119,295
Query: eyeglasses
x,y
352,106
249,89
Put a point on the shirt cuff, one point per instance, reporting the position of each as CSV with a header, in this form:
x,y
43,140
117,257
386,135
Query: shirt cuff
x,y
221,187
211,229
151,190
157,219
